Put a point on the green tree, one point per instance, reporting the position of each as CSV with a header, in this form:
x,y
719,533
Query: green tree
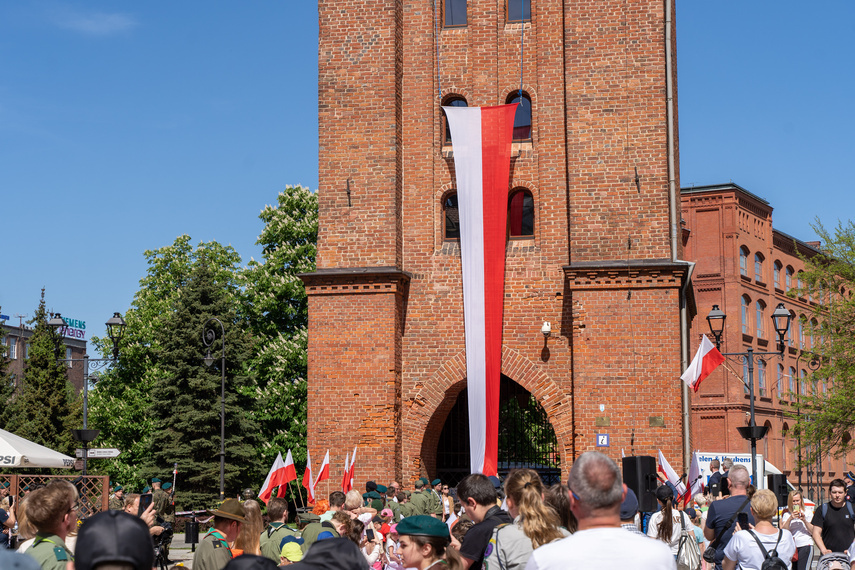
x,y
186,399
826,419
278,308
47,407
120,402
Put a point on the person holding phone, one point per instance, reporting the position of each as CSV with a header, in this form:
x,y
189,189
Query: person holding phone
x,y
796,519
743,549
720,516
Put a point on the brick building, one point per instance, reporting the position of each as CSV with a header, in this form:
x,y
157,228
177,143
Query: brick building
x,y
593,243
745,266
16,341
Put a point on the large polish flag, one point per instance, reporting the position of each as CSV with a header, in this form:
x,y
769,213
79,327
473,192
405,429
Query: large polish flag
x,y
280,475
324,472
482,156
707,359
307,478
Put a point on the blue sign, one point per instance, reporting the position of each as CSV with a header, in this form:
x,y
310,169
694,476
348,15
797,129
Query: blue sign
x,y
4,317
602,440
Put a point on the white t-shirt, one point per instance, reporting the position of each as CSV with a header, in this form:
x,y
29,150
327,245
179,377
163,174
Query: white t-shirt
x,y
676,528
798,529
610,547
743,549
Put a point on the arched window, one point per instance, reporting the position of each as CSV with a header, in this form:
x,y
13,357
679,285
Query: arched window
x,y
450,101
743,261
789,278
802,333
814,327
785,433
758,268
793,381
803,382
767,438
455,13
520,214
776,274
519,10
790,329
801,284
780,381
450,217
761,377
746,303
761,308
522,117
745,373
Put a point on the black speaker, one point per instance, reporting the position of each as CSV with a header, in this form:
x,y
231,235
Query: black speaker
x,y
778,485
639,474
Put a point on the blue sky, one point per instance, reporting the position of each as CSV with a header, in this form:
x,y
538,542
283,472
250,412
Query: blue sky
x,y
126,124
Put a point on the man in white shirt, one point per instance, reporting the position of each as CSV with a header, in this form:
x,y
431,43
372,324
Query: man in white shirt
x,y
596,494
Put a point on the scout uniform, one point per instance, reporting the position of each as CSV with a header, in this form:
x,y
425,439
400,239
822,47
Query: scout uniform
x,y
313,529
420,501
213,552
117,503
50,552
435,499
272,537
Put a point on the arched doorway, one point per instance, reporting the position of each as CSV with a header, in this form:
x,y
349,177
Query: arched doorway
x,y
526,438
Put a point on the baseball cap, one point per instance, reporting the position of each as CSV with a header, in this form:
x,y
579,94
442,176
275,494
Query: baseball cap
x,y
114,536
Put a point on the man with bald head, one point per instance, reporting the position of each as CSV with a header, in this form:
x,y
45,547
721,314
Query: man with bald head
x,y
596,494
720,514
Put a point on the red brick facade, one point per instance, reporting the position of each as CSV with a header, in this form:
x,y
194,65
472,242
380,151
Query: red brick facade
x,y
386,339
726,228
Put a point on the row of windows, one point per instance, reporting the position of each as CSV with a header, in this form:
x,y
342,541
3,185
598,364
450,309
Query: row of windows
x,y
785,384
520,215
522,117
790,279
11,344
806,329
455,12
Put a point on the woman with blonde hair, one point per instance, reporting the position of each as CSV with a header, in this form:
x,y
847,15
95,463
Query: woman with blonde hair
x,y
533,520
796,519
744,548
248,539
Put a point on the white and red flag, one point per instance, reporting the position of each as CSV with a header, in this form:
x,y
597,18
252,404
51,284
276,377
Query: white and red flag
x,y
671,475
707,359
345,479
307,478
482,157
278,477
696,480
351,470
324,472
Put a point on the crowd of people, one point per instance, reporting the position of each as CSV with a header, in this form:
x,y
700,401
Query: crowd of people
x,y
592,521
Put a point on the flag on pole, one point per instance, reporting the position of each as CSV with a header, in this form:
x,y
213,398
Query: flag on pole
x,y
671,475
324,472
482,156
280,474
345,480
307,478
696,479
707,359
351,470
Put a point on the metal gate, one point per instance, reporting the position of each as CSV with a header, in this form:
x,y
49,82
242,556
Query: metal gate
x,y
526,438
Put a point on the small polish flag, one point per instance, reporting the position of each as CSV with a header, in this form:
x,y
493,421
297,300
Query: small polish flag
x,y
290,474
324,473
280,474
671,475
345,480
351,468
707,359
696,479
307,478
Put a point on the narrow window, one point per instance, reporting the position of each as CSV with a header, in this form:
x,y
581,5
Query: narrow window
x,y
803,382
802,333
451,217
455,13
761,376
519,10
13,348
789,278
758,267
522,117
68,356
760,320
745,304
453,101
745,373
793,380
776,274
520,214
780,381
743,261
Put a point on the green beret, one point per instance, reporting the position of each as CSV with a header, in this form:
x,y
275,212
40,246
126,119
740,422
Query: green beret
x,y
155,480
374,495
167,485
118,488
382,489
423,525
308,517
146,490
435,482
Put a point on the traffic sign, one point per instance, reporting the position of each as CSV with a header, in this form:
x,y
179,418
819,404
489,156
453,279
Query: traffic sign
x,y
98,452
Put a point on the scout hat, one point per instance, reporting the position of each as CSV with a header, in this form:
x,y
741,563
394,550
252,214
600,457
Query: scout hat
x,y
119,488
156,480
435,482
382,489
291,549
166,485
230,509
423,525
146,490
114,537
308,517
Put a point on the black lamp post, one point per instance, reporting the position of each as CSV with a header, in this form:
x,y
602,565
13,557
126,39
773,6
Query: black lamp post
x,y
115,330
781,319
209,334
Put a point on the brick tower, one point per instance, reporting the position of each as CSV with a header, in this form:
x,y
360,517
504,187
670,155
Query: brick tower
x,y
591,234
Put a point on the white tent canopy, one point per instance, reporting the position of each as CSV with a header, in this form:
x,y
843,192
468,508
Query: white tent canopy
x,y
18,452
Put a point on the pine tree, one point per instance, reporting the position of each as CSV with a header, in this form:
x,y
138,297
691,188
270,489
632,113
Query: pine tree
x,y
47,408
186,399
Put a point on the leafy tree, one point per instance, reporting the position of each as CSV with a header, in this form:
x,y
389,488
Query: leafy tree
x,y
827,419
278,308
120,402
186,399
47,407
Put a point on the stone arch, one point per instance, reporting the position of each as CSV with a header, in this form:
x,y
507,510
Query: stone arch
x,y
426,411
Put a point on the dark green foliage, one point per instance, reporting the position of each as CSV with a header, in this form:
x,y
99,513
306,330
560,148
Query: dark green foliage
x,y
47,407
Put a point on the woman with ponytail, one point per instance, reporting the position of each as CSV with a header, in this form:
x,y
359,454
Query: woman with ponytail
x,y
424,543
665,524
535,524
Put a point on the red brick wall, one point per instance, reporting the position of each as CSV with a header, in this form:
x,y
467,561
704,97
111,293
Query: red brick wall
x,y
595,73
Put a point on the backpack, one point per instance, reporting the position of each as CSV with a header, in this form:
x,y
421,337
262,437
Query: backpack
x,y
771,560
688,553
848,508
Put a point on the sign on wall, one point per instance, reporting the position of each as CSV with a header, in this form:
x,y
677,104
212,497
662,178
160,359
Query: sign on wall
x,y
73,328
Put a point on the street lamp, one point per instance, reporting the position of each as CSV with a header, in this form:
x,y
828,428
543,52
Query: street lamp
x,y
209,334
781,319
115,330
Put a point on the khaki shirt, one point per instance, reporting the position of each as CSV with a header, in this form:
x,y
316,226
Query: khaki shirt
x,y
117,504
272,537
213,552
50,552
435,503
420,503
163,505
